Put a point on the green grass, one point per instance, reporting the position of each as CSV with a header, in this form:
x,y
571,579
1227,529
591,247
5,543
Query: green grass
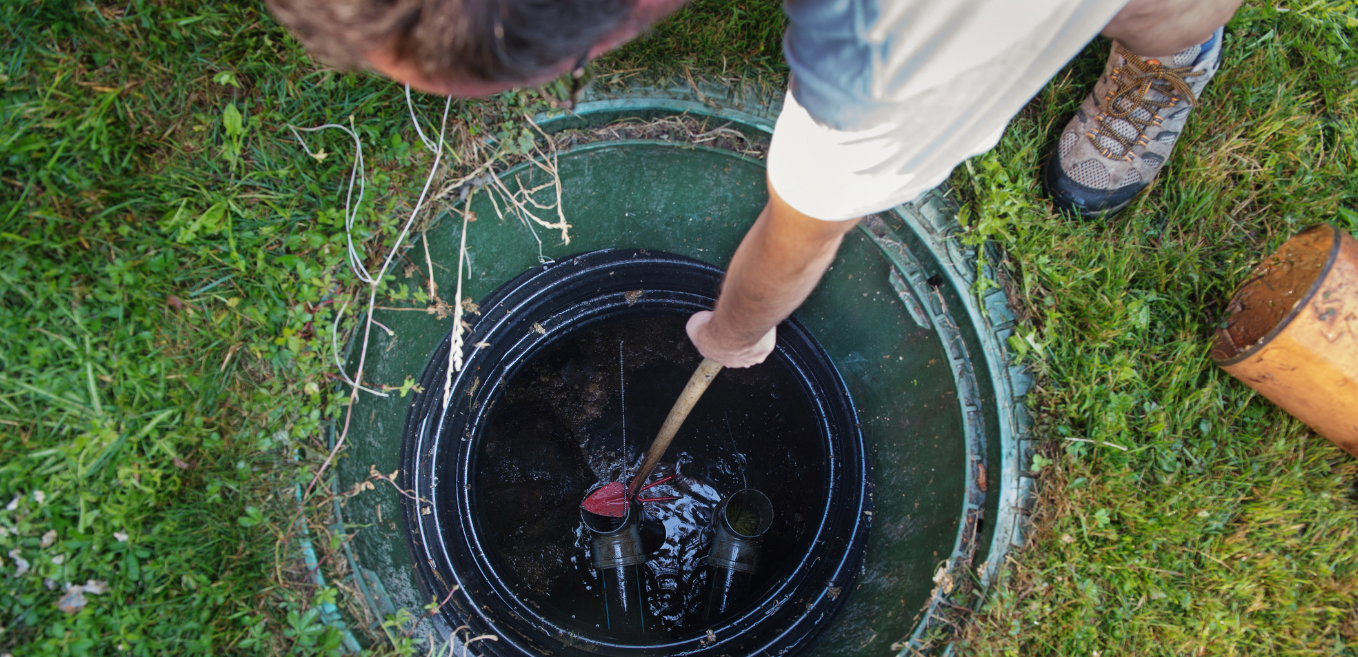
x,y
170,257
714,39
1218,525
171,260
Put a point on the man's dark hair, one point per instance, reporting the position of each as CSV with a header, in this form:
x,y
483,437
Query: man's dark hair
x,y
493,40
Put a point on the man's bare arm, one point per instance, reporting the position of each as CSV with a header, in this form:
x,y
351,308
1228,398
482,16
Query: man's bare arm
x,y
775,268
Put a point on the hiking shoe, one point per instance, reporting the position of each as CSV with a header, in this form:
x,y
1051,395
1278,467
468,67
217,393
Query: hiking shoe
x,y
1125,130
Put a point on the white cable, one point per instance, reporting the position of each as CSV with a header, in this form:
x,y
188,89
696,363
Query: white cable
x,y
622,386
334,345
357,172
405,230
410,105
372,290
424,193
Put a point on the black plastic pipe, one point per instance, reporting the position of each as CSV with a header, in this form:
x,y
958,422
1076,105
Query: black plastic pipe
x,y
615,546
739,521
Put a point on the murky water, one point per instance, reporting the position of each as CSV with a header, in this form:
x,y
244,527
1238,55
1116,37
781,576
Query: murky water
x,y
584,412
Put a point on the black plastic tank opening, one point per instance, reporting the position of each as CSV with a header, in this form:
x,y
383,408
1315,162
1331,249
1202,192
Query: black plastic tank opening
x,y
583,413
584,359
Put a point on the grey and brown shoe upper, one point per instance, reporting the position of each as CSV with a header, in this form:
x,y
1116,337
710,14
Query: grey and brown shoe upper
x,y
1125,130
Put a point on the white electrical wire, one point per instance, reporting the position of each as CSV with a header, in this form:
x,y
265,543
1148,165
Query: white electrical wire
x,y
405,230
357,380
357,175
334,345
350,207
455,349
410,105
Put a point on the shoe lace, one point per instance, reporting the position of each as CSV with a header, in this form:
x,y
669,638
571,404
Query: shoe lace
x,y
1135,79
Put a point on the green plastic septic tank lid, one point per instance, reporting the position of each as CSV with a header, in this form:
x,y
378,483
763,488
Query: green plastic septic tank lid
x,y
925,360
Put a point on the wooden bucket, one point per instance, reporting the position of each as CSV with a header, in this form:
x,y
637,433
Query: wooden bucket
x,y
1291,332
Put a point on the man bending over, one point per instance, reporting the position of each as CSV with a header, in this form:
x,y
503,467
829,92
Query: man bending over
x,y
886,97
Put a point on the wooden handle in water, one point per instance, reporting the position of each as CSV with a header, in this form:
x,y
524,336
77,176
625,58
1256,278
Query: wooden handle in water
x,y
697,384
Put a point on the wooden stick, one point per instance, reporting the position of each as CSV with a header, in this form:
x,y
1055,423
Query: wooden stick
x,y
697,384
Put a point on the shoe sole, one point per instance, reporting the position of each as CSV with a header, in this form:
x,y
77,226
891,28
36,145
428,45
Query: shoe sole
x,y
1050,168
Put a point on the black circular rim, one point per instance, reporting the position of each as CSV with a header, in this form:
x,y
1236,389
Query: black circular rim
x,y
517,321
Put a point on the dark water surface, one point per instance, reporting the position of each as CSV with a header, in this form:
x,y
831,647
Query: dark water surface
x,y
560,431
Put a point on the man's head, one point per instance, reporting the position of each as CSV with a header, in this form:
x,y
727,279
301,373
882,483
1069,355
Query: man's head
x,y
466,47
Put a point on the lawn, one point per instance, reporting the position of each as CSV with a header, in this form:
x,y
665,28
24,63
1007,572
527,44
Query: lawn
x,y
171,262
